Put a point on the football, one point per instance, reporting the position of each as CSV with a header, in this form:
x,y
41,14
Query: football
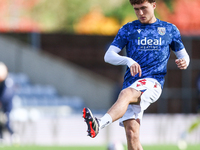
x,y
115,146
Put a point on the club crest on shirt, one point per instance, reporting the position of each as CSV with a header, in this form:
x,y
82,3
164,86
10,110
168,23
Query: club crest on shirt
x,y
139,30
161,30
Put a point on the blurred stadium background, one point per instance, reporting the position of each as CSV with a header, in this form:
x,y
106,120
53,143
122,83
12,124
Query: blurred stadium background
x,y
54,54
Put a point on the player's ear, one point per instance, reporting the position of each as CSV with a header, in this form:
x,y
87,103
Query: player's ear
x,y
154,5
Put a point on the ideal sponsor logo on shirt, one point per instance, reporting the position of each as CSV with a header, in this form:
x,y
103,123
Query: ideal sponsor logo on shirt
x,y
149,41
149,44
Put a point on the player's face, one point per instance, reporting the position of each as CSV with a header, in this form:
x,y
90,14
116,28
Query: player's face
x,y
145,12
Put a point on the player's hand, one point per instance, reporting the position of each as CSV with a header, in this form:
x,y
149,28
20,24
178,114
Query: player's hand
x,y
181,63
135,69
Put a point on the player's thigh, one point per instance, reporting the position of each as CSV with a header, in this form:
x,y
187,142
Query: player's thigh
x,y
150,88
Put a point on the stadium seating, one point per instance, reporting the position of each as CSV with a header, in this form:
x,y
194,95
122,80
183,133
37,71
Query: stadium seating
x,y
38,95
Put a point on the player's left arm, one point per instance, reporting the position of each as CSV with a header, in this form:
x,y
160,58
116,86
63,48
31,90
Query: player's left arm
x,y
183,59
178,48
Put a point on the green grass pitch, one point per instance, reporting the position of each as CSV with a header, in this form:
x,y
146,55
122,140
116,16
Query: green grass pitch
x,y
156,147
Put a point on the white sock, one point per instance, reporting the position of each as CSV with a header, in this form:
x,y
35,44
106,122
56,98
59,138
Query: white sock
x,y
105,121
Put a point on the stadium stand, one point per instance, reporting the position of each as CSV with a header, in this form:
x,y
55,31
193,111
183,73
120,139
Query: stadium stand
x,y
38,95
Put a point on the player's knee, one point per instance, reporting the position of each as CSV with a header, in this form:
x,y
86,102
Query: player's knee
x,y
124,93
130,95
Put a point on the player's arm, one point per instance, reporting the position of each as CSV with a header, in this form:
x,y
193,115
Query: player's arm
x,y
112,57
183,59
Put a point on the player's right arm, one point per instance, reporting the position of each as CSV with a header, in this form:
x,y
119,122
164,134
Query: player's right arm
x,y
112,57
135,69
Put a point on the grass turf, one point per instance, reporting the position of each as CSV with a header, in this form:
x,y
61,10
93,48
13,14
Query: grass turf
x,y
154,147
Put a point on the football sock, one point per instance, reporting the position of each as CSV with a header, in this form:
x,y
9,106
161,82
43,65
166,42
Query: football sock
x,y
105,121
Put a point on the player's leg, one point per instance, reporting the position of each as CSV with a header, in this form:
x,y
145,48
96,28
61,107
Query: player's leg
x,y
126,97
151,91
8,123
132,129
147,89
118,109
1,132
131,119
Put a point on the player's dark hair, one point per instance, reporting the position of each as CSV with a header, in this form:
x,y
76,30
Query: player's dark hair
x,y
133,2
